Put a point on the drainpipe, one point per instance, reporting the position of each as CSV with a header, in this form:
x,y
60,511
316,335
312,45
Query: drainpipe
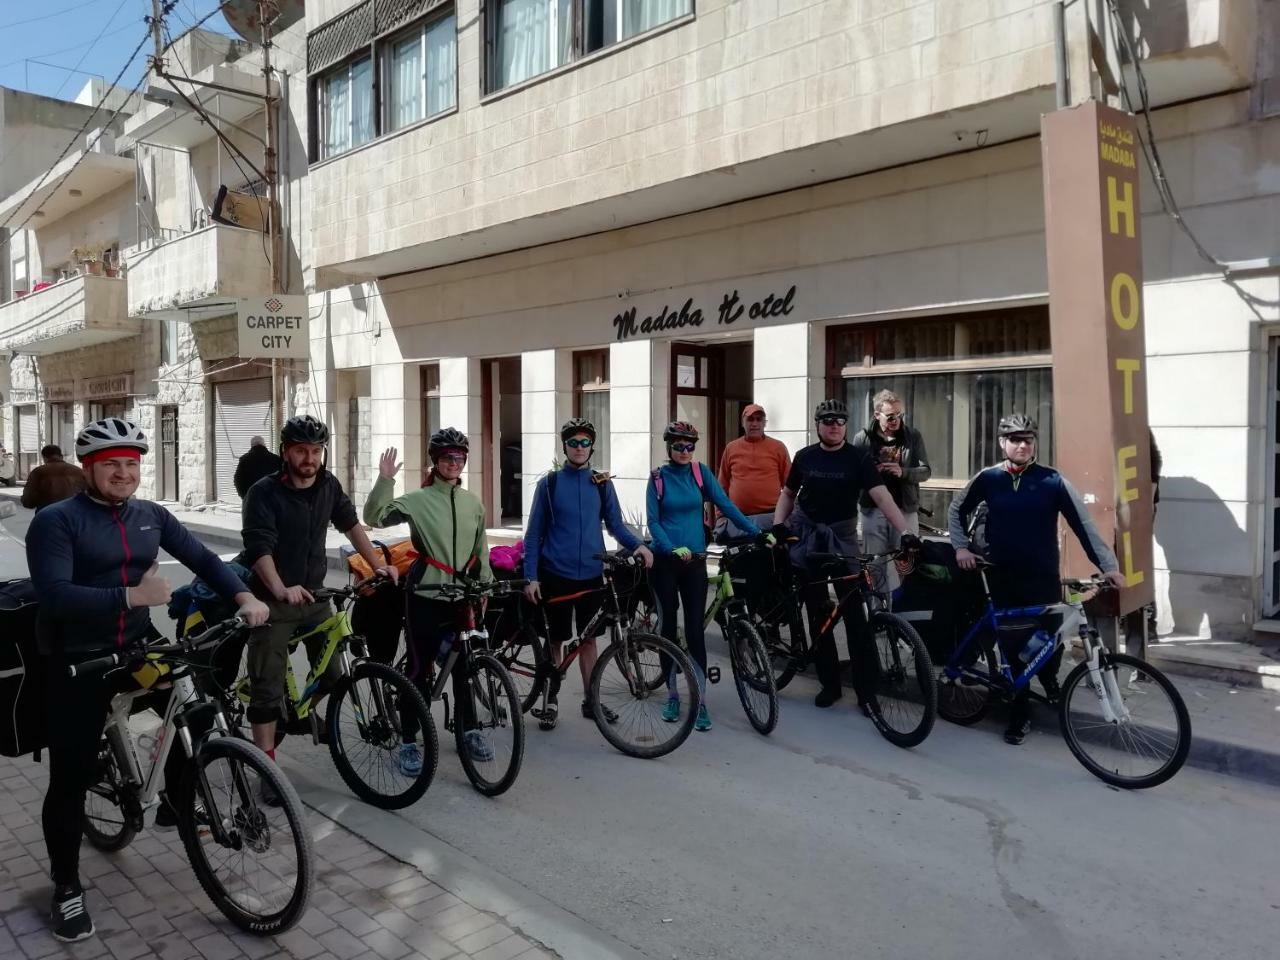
x,y
1060,52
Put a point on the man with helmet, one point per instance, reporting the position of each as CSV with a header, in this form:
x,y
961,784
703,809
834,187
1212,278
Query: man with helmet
x,y
819,505
447,527
284,521
93,564
562,545
1023,501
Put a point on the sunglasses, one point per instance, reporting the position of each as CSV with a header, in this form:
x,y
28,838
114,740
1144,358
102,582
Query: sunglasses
x,y
1021,438
890,417
579,442
453,457
683,447
833,421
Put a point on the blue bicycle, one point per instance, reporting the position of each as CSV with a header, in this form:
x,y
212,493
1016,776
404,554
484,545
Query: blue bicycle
x,y
1120,716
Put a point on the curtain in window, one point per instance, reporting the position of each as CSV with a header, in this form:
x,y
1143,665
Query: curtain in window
x,y
406,83
641,15
594,406
442,65
361,101
534,36
337,112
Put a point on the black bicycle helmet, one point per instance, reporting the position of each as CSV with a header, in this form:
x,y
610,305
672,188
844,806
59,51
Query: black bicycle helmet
x,y
304,429
575,425
830,408
679,430
447,439
1017,423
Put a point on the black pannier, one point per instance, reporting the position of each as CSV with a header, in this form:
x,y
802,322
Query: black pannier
x,y
21,672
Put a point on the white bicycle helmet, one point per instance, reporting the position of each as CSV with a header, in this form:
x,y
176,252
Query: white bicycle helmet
x,y
108,433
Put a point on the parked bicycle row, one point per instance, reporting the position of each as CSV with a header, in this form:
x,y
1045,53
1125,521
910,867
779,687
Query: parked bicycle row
x,y
431,620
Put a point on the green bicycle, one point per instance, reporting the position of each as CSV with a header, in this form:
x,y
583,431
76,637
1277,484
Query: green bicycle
x,y
374,711
748,655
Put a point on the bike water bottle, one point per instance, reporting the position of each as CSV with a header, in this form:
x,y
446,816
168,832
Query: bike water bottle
x,y
1034,646
446,644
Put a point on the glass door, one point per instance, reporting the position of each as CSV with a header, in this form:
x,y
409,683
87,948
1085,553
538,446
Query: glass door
x,y
695,377
1272,575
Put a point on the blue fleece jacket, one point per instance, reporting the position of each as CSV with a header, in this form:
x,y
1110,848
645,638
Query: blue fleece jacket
x,y
676,519
564,536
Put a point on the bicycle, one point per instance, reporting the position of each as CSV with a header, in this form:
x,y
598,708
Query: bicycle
x,y
222,820
1104,719
373,709
625,685
481,728
748,655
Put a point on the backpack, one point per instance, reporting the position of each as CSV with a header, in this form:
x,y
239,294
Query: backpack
x,y
598,478
22,727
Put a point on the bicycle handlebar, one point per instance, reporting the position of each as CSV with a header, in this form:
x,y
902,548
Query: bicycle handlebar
x,y
351,589
122,657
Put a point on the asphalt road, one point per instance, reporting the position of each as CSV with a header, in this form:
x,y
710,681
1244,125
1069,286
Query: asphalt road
x,y
825,841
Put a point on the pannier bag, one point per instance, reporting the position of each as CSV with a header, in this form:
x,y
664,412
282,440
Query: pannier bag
x,y
21,672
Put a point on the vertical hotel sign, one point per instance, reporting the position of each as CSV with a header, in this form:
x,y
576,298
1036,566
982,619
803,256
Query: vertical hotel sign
x,y
1094,248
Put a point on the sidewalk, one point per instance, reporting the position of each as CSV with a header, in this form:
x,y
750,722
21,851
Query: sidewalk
x,y
147,904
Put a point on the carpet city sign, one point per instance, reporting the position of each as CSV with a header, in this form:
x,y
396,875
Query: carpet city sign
x,y
274,327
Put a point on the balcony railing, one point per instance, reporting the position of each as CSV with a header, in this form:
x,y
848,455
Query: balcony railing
x,y
199,275
81,312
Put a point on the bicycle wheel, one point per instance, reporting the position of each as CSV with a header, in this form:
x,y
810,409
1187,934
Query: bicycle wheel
x,y
623,683
966,699
905,698
369,712
106,826
752,674
787,643
526,658
1147,742
253,860
491,746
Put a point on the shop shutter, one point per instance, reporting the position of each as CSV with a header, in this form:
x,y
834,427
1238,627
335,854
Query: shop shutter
x,y
28,430
242,411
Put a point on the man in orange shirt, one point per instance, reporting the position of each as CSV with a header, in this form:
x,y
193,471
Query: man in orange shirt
x,y
753,469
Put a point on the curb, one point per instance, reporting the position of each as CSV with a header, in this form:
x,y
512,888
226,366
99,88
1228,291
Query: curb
x,y
524,911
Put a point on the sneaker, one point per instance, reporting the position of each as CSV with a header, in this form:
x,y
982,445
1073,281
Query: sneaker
x,y
703,723
409,759
269,796
671,713
477,746
548,715
827,696
589,714
167,817
71,921
1016,733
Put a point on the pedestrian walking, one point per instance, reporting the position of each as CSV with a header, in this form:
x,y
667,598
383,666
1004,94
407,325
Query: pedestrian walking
x,y
753,469
254,464
53,480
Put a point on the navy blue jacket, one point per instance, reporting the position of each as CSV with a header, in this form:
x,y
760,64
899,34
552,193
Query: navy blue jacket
x,y
564,537
83,554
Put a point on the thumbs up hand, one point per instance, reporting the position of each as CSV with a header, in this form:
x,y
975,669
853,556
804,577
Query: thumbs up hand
x,y
152,590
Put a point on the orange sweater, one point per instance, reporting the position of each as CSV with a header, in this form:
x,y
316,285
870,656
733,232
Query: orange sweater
x,y
752,472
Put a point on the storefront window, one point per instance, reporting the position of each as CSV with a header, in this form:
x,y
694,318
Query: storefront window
x,y
591,398
956,376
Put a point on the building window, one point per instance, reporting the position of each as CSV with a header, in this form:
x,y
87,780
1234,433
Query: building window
x,y
169,342
420,66
591,398
956,376
531,37
346,107
430,378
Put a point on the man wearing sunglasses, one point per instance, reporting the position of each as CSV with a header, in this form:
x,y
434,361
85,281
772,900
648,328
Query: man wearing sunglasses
x,y
1023,502
561,548
899,455
819,506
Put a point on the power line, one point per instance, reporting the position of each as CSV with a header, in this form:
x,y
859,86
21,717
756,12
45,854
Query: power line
x,y
46,16
54,53
110,20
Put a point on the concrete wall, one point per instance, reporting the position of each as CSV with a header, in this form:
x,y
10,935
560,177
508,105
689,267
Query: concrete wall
x,y
33,131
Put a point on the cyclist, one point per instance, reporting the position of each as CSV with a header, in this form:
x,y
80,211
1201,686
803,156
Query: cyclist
x,y
93,564
819,507
284,520
561,549
1023,501
446,525
676,496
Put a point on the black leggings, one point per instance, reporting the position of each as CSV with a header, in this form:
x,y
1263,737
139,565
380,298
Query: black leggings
x,y
426,622
680,584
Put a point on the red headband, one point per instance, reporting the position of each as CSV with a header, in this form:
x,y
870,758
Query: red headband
x,y
133,453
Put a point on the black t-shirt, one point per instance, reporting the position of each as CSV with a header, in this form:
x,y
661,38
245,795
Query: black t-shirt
x,y
829,481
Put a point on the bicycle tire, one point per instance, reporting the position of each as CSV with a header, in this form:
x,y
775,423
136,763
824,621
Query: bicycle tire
x,y
965,702
788,647
393,696
261,823
529,663
110,789
905,680
1079,737
625,651
752,674
498,697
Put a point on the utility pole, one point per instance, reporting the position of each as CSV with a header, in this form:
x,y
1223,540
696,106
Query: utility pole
x,y
157,36
268,10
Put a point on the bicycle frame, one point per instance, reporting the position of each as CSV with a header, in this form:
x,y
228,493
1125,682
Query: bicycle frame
x,y
337,629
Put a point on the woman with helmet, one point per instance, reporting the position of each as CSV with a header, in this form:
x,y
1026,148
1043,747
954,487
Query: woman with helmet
x,y
678,491
562,548
93,564
447,526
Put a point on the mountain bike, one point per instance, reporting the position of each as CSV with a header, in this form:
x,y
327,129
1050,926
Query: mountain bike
x,y
1121,717
627,689
254,860
487,722
374,710
748,655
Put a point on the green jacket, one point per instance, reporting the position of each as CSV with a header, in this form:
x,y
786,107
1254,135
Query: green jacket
x,y
446,523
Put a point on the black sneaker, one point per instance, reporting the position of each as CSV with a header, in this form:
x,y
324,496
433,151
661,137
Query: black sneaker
x,y
589,713
269,796
167,817
547,715
827,696
71,921
1017,732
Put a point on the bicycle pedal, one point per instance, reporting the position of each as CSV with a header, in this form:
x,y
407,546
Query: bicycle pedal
x,y
713,674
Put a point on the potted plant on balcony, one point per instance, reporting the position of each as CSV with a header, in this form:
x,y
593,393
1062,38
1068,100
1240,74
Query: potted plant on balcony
x,y
90,259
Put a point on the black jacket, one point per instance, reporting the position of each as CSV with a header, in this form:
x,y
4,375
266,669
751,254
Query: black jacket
x,y
290,526
259,462
915,467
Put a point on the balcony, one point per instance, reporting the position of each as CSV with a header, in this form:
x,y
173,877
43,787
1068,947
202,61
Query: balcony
x,y
81,312
198,276
229,93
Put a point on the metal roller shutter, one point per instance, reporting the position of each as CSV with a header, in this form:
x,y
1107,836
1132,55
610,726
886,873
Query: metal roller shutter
x,y
28,440
242,410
